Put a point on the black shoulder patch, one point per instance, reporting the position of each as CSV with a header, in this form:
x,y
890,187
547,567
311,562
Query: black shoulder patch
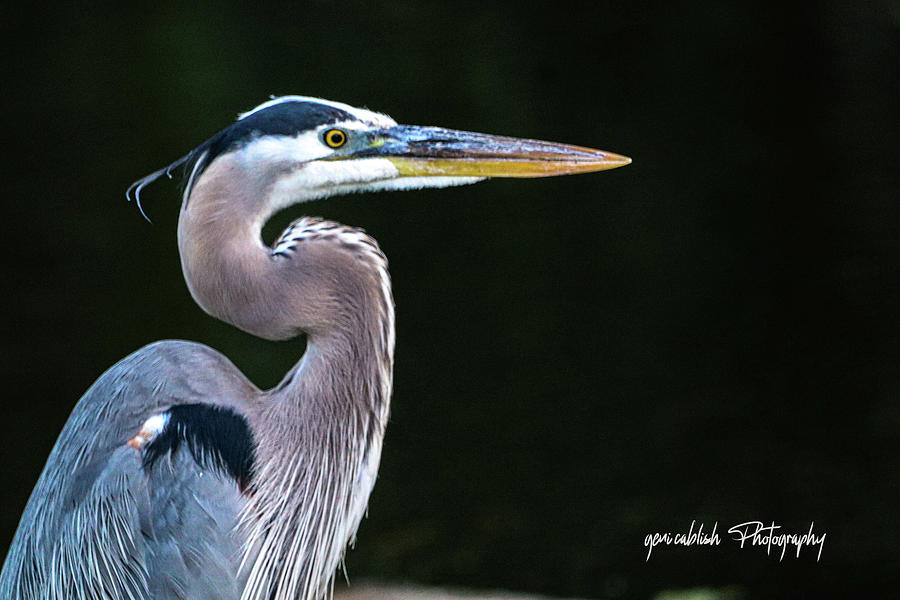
x,y
217,438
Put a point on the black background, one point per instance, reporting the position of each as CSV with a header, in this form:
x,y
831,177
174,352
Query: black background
x,y
706,334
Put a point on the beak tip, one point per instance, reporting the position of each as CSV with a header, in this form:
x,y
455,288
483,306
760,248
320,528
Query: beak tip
x,y
617,160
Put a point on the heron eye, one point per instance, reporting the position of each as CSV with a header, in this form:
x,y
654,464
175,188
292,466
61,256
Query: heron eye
x,y
335,138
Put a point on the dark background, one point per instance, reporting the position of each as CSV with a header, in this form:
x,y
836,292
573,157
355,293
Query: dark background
x,y
706,334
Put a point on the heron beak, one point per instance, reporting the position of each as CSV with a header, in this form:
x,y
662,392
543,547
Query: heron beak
x,y
434,151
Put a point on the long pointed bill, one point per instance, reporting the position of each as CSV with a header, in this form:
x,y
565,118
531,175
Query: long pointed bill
x,y
434,151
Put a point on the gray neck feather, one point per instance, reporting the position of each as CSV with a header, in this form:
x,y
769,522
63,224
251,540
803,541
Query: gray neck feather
x,y
319,432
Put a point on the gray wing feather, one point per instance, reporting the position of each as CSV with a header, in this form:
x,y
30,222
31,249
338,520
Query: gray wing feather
x,y
98,526
197,550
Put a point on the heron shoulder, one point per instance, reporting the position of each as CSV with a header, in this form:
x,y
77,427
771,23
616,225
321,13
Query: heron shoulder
x,y
148,382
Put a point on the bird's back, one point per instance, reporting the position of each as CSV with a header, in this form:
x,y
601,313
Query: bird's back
x,y
103,524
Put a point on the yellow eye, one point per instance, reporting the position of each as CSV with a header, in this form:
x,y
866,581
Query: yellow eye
x,y
335,138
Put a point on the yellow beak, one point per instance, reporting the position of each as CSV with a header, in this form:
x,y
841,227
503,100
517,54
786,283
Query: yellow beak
x,y
434,151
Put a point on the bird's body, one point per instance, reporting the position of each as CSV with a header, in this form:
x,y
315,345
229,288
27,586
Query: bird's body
x,y
182,524
102,525
175,477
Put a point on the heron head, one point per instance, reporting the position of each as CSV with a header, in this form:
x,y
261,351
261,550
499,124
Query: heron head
x,y
297,148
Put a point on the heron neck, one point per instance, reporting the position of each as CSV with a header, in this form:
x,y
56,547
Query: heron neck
x,y
332,286
349,353
324,425
319,432
341,372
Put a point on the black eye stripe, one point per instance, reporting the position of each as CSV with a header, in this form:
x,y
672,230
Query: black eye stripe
x,y
286,118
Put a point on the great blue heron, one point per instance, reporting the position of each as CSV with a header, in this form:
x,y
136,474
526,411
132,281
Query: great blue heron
x,y
175,477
